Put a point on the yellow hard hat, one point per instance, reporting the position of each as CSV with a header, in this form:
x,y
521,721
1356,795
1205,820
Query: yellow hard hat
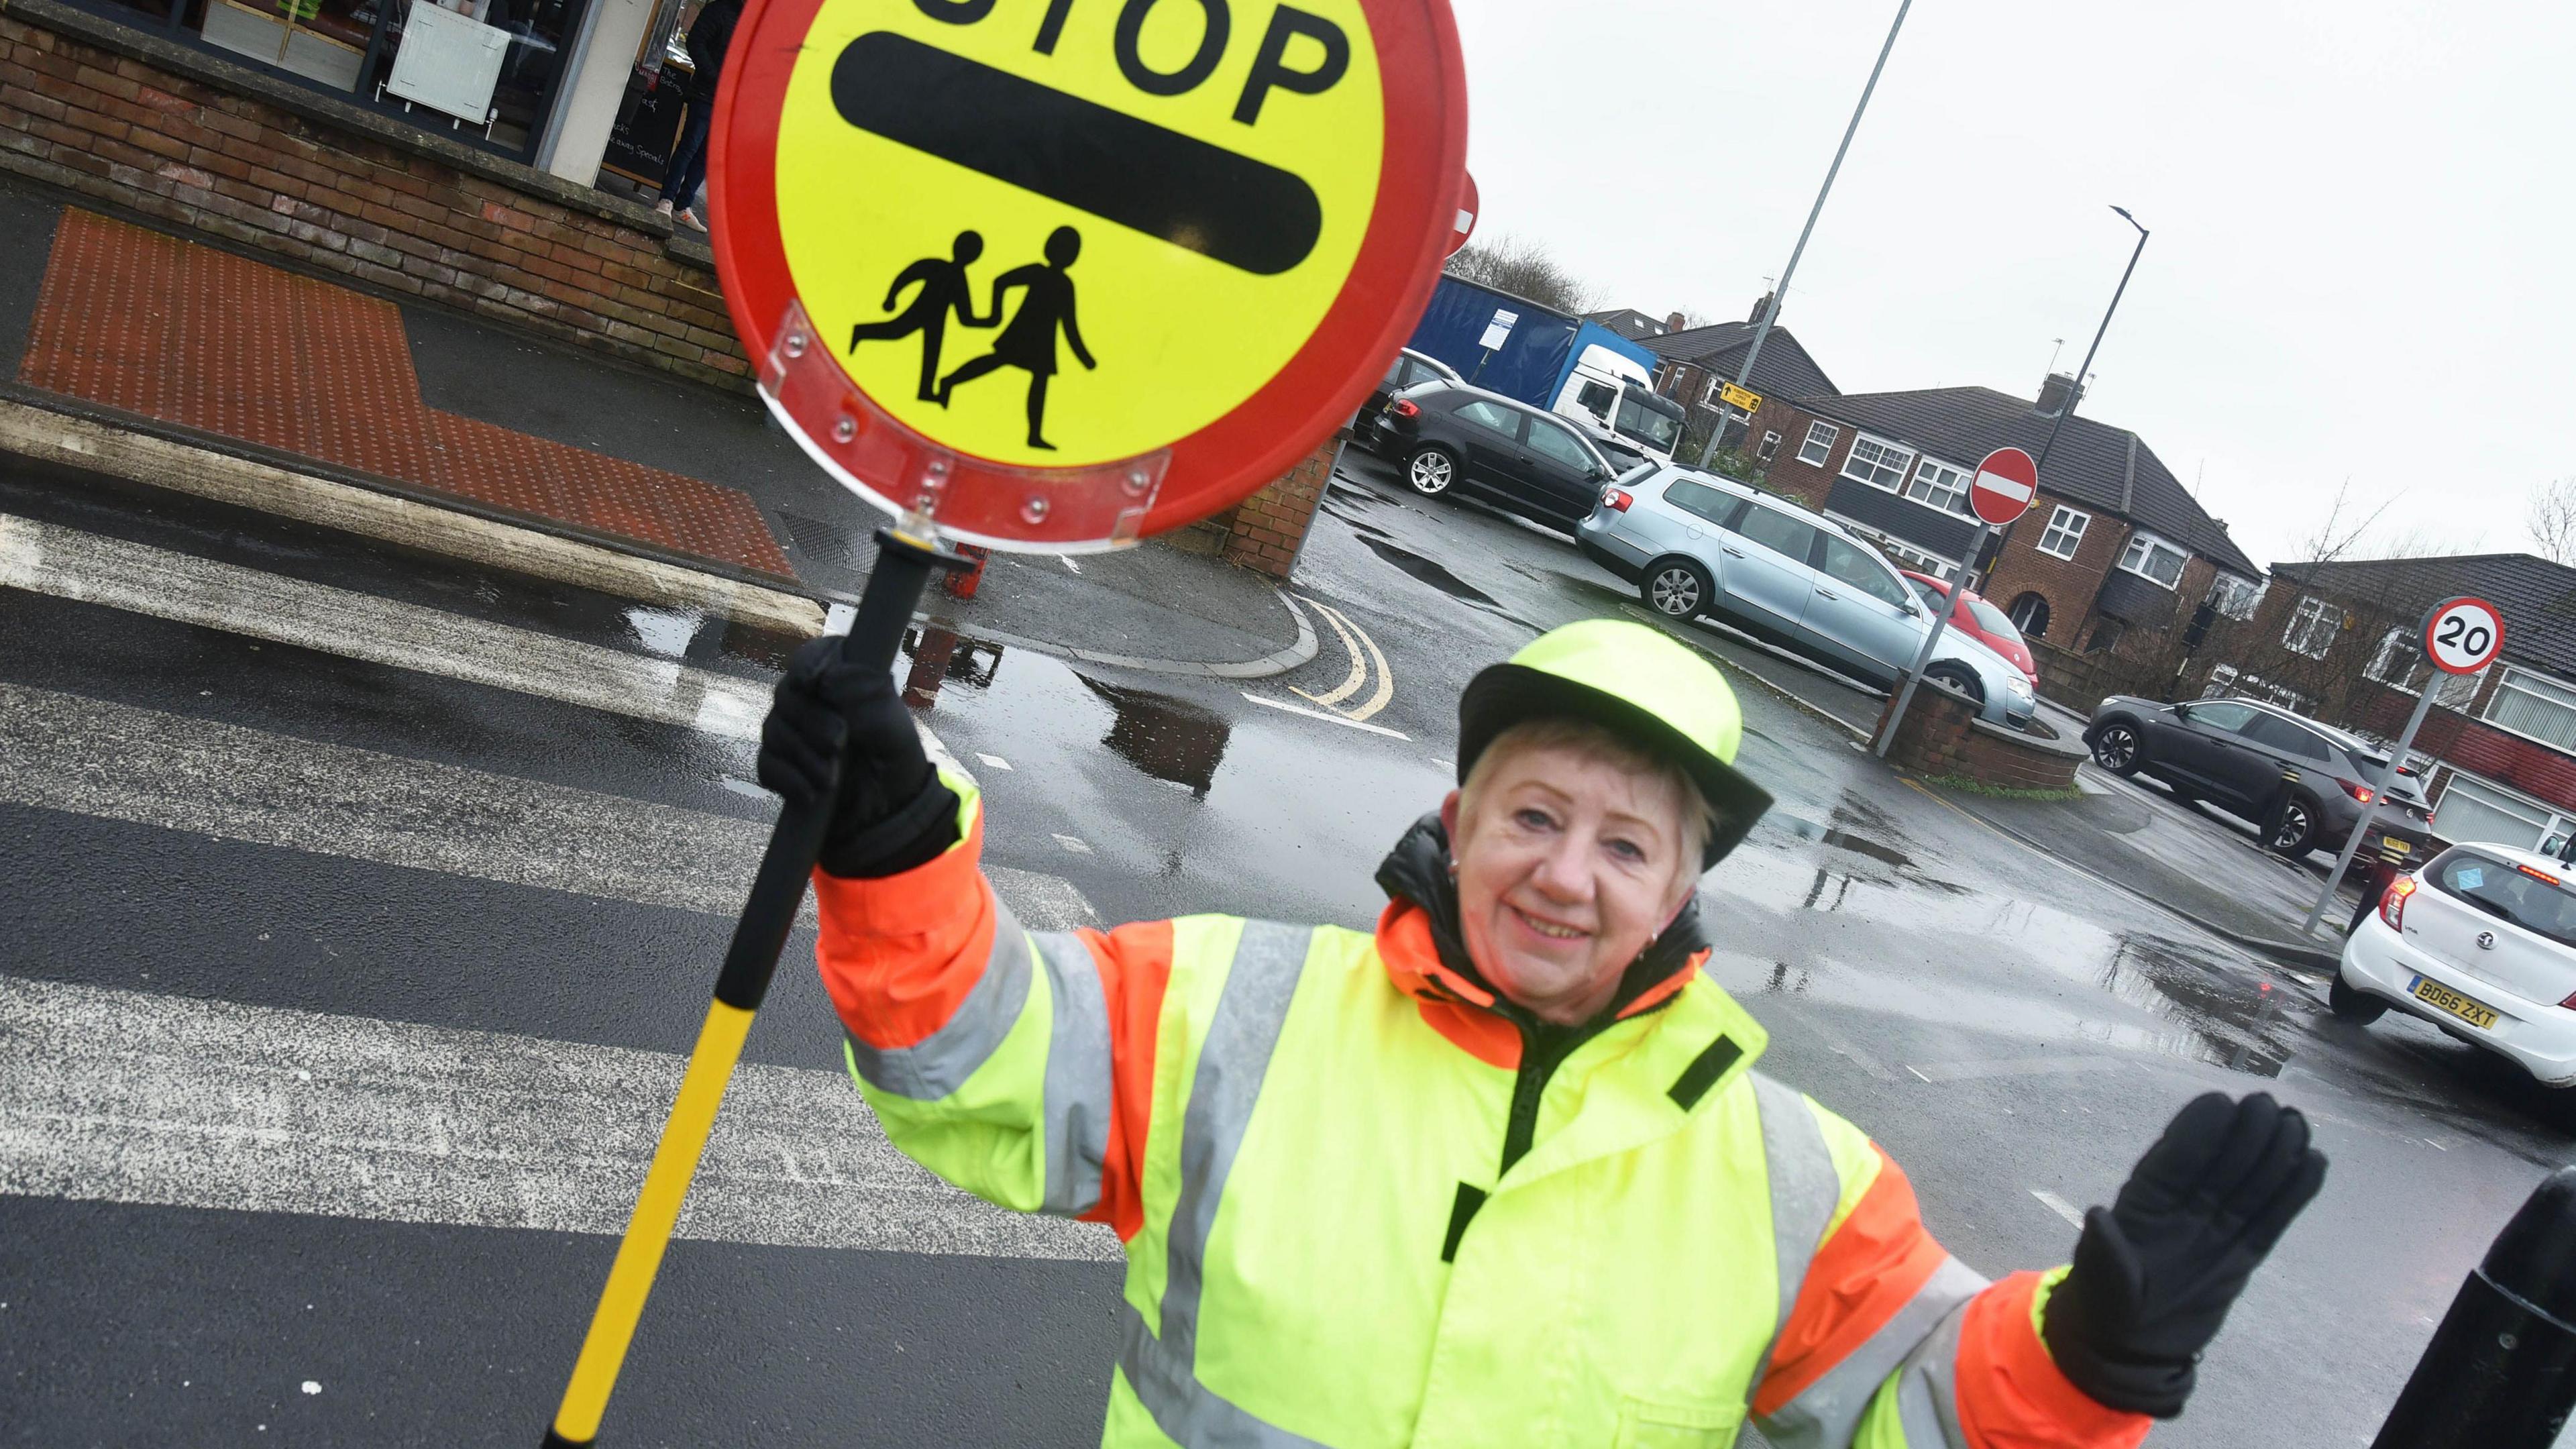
x,y
1642,685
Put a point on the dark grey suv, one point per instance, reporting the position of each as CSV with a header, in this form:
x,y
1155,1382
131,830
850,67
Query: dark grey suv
x,y
2232,753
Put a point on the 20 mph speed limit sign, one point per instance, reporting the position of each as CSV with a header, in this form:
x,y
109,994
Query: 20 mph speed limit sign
x,y
1116,262
2463,635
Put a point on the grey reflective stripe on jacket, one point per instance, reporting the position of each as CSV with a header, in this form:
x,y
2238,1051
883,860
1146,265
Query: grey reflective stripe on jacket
x,y
1080,1087
1234,1057
940,1063
1805,1187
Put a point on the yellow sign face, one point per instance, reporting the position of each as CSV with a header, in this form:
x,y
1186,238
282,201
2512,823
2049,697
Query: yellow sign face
x,y
1056,233
1737,397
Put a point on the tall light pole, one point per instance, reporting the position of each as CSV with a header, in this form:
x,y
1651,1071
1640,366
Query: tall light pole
x,y
2075,394
1771,307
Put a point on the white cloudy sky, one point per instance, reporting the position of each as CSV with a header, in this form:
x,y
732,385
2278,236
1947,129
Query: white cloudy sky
x,y
2361,266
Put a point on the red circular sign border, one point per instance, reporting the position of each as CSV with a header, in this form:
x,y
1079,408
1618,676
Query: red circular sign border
x,y
2027,505
2433,616
1263,436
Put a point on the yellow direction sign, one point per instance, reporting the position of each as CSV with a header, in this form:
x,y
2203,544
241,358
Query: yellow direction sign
x,y
1737,397
1069,234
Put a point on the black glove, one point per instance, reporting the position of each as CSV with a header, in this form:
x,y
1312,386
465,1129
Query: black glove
x,y
2155,1273
889,811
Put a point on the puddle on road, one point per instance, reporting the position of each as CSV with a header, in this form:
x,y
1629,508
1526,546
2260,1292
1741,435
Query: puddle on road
x,y
1423,570
941,657
1170,739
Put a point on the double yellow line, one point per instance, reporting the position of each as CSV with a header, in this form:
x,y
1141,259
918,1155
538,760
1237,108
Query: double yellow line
x,y
1354,640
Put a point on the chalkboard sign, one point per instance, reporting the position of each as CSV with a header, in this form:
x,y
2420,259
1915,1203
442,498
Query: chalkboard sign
x,y
648,123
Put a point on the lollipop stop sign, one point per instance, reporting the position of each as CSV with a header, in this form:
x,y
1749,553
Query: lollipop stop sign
x,y
1056,274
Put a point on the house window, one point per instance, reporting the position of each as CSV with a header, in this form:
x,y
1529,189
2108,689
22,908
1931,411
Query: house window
x,y
2399,664
2237,596
1819,445
2472,809
2312,627
1770,448
2536,707
2221,679
2153,559
1938,485
1709,396
1877,463
2065,532
2030,616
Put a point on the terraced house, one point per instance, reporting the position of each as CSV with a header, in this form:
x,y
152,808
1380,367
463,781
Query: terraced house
x,y
2337,641
2115,573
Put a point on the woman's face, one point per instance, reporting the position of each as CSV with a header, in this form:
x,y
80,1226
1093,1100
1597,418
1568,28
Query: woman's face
x,y
1568,866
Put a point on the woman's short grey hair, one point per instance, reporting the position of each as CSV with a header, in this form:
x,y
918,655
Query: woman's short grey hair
x,y
1699,819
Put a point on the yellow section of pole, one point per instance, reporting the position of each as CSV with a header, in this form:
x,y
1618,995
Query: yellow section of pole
x,y
648,1232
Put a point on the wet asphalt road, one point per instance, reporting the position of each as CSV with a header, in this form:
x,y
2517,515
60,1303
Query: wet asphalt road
x,y
2013,1031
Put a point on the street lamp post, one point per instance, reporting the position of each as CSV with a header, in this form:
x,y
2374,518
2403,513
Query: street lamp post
x,y
1771,307
2083,370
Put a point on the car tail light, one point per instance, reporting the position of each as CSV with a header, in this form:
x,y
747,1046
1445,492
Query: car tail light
x,y
2570,1002
2392,902
2538,875
2356,790
1616,499
1404,407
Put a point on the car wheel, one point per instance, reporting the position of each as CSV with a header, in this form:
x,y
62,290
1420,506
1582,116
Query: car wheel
x,y
2297,834
1431,471
1675,589
2115,748
1962,680
2350,1003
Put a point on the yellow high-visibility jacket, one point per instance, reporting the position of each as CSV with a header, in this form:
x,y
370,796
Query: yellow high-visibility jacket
x,y
1355,1216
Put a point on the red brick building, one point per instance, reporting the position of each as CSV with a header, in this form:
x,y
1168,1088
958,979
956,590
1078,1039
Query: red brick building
x,y
2105,575
1696,360
2336,641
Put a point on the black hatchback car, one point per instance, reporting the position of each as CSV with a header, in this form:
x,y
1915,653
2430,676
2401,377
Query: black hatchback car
x,y
2233,753
1536,464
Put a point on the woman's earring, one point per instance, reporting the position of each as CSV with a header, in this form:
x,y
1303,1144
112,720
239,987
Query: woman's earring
x,y
1453,867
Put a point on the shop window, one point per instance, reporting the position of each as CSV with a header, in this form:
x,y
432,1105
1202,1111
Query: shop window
x,y
324,41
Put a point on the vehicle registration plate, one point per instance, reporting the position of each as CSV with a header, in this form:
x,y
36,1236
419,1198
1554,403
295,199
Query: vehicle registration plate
x,y
2475,1013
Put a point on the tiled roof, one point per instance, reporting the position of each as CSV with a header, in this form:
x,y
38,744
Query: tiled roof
x,y
1628,322
2094,465
1783,370
2538,597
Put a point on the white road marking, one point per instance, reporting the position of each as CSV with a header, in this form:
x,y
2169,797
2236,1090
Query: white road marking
x,y
1071,843
2015,1067
67,563
123,1096
120,762
2058,1205
1286,708
996,761
1069,565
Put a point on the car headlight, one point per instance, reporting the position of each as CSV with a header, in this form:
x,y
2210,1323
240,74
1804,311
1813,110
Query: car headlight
x,y
2017,687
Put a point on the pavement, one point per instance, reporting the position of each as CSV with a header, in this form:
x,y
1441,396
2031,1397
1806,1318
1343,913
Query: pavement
x,y
361,899
110,320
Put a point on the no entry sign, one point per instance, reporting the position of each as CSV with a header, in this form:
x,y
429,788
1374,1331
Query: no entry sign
x,y
2463,635
1108,264
2005,484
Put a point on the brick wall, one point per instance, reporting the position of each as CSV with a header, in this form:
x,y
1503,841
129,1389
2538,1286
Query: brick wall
x,y
1263,531
1807,483
1942,738
2067,584
145,125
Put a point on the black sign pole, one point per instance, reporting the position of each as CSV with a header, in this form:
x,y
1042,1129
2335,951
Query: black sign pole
x,y
2500,1372
905,562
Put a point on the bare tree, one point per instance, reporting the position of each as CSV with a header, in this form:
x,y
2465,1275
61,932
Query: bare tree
x,y
2352,530
2552,520
1524,268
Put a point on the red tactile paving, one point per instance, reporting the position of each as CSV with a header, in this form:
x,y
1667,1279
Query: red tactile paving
x,y
188,334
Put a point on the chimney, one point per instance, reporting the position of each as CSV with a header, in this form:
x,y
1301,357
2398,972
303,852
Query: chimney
x,y
2056,395
1673,322
1759,307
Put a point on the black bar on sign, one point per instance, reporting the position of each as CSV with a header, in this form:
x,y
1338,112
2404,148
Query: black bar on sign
x,y
1224,206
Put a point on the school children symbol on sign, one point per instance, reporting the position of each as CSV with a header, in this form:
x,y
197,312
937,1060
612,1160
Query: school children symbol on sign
x,y
1057,234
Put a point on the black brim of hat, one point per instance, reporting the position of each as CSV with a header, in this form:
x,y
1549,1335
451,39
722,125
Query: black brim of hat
x,y
1504,695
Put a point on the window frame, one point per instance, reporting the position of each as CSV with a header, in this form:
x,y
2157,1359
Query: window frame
x,y
2255,590
2146,541
1585,457
1520,420
2554,823
1833,434
2058,522
2455,691
1805,559
1904,468
2506,681
1956,504
2302,624
1769,450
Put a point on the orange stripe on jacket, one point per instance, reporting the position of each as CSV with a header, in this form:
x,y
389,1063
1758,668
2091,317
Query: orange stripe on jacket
x,y
2012,1395
1872,1266
900,952
1135,963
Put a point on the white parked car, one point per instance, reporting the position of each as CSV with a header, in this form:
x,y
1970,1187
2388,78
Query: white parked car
x,y
2481,943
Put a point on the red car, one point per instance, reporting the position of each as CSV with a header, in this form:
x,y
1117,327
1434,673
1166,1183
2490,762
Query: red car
x,y
1980,621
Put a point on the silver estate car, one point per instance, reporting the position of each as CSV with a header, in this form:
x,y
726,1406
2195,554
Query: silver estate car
x,y
1698,544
